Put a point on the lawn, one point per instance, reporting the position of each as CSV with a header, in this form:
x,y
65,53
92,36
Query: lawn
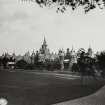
x,y
28,88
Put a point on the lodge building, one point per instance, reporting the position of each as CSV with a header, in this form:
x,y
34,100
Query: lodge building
x,y
66,59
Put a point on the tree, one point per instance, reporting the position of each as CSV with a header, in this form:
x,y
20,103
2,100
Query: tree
x,y
5,61
62,5
101,62
86,65
21,64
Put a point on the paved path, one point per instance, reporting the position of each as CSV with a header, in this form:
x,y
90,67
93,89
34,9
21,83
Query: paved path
x,y
97,98
66,76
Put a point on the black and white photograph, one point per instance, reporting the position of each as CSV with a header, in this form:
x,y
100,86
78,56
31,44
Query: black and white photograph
x,y
52,52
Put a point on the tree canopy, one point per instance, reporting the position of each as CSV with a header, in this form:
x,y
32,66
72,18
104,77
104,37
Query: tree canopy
x,y
62,5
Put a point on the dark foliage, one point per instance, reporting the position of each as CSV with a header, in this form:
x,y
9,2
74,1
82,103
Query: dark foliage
x,y
21,64
75,68
49,65
85,65
101,62
63,4
5,61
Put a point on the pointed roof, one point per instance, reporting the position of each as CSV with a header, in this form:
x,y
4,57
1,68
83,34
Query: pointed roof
x,y
44,42
44,39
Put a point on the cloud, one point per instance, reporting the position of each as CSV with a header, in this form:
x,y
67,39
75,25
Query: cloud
x,y
27,23
18,15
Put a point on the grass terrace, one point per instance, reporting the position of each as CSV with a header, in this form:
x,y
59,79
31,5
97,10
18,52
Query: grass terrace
x,y
33,88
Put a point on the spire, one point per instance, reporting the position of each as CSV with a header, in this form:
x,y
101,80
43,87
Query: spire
x,y
44,39
90,51
13,54
44,42
72,48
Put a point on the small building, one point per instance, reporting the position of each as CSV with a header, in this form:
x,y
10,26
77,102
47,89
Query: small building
x,y
11,65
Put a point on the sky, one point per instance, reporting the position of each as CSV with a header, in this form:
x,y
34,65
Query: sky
x,y
23,26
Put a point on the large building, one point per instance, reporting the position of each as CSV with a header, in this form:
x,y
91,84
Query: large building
x,y
44,50
66,59
45,54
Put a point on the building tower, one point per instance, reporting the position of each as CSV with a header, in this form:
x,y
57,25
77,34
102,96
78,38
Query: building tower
x,y
90,52
44,50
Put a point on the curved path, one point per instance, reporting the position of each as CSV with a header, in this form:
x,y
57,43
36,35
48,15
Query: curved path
x,y
97,98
